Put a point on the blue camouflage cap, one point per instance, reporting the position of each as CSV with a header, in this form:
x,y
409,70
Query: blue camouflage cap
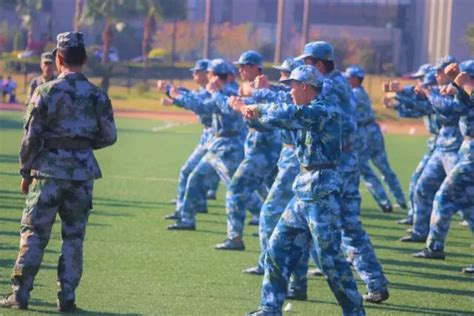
x,y
289,64
201,65
429,78
422,70
250,57
307,74
443,62
468,67
232,69
218,66
319,49
355,71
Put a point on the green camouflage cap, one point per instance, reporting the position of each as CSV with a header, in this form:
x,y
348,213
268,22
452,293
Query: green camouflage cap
x,y
70,39
47,57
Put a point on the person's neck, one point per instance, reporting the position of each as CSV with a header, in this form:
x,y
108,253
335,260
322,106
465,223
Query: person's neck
x,y
71,69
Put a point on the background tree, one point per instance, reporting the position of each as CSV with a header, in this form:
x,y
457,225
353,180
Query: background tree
x,y
470,37
110,12
28,10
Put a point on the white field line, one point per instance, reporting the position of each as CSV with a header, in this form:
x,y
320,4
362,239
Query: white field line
x,y
167,125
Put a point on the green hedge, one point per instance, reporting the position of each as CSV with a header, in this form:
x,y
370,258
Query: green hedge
x,y
119,70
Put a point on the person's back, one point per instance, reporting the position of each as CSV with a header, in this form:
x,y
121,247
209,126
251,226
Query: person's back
x,y
76,112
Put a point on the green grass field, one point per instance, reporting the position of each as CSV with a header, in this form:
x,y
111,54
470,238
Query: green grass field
x,y
134,266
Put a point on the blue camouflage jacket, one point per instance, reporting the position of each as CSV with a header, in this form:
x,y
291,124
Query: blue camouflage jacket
x,y
201,94
449,137
365,114
318,143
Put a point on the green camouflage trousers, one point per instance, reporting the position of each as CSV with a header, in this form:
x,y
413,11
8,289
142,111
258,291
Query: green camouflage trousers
x,y
47,197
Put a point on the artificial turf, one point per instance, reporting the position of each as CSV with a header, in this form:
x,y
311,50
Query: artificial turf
x,y
134,266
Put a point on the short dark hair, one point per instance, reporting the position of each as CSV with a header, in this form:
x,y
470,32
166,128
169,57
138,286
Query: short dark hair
x,y
73,56
222,77
361,79
328,64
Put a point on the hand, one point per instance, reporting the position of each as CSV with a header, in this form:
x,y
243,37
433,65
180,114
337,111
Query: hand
x,y
236,103
452,70
251,112
394,86
161,86
448,90
25,185
462,79
174,92
167,101
389,102
261,82
422,90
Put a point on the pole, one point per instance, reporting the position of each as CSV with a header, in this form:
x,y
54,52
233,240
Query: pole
x,y
279,31
207,29
306,23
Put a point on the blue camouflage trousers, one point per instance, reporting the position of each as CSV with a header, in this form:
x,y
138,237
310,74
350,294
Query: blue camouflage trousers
x,y
72,200
211,182
278,198
372,148
252,174
438,166
224,158
416,176
302,223
355,239
455,194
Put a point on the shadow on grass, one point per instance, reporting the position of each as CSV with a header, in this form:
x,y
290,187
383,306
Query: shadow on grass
x,y
79,311
96,212
10,124
11,220
426,264
415,310
426,275
8,191
427,289
7,263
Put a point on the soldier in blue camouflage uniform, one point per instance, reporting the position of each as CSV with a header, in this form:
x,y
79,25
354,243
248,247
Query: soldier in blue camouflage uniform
x,y
288,166
47,74
371,147
225,149
442,159
356,241
456,191
262,149
67,118
200,77
409,104
314,214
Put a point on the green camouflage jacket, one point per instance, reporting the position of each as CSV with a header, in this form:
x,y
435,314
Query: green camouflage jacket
x,y
68,107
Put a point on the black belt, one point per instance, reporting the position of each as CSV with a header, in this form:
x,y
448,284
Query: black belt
x,y
228,134
67,143
329,165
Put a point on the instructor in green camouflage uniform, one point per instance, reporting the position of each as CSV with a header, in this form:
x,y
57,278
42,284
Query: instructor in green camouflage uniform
x,y
67,118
